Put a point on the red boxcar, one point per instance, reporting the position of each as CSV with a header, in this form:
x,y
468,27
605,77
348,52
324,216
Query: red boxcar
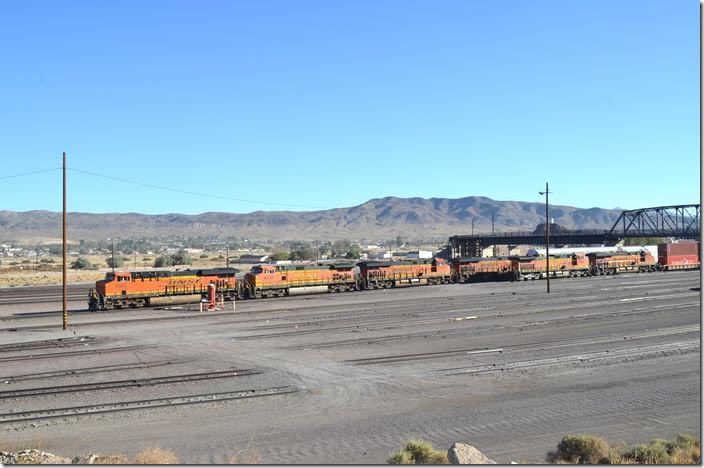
x,y
374,275
679,256
479,268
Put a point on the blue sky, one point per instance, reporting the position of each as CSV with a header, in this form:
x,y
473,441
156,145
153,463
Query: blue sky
x,y
330,103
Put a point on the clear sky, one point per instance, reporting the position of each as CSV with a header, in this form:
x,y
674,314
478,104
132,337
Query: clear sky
x,y
301,103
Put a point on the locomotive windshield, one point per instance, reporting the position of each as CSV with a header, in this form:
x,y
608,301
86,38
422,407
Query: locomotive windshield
x,y
109,277
256,270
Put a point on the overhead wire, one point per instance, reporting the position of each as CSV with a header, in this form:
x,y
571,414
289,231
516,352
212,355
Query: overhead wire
x,y
30,173
190,192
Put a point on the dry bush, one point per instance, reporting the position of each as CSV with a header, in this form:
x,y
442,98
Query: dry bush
x,y
585,449
156,456
580,449
418,452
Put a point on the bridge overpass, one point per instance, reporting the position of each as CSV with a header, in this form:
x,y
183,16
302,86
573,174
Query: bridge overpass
x,y
679,221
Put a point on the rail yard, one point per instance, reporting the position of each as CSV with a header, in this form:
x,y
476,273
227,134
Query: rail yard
x,y
346,378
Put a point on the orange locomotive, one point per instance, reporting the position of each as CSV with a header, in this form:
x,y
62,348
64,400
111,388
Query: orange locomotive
x,y
532,268
136,289
282,280
613,263
374,275
477,268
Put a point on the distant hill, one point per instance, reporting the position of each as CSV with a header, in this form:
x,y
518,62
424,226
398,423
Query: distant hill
x,y
377,219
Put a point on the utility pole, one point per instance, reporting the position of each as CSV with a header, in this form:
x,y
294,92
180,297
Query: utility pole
x,y
547,237
65,290
227,255
135,259
492,221
472,226
113,255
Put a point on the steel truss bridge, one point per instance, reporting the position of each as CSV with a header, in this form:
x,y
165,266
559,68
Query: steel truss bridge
x,y
680,221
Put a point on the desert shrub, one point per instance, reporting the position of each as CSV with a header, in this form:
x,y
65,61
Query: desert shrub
x,y
181,258
163,261
585,449
116,263
81,264
654,453
681,451
156,456
418,452
685,450
47,260
580,449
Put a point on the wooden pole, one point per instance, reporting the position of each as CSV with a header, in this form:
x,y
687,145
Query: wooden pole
x,y
65,292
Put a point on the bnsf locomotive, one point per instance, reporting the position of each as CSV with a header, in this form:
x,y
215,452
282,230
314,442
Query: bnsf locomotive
x,y
144,288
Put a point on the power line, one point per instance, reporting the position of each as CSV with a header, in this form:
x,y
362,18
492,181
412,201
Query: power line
x,y
30,173
188,192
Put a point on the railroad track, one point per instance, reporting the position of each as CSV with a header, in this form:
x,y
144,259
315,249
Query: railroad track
x,y
44,344
72,353
146,382
572,358
87,410
87,370
541,345
381,325
43,294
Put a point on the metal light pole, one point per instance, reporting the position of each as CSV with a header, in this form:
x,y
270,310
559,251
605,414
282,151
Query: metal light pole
x,y
65,292
547,237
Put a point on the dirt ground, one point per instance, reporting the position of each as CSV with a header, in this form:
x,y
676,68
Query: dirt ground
x,y
347,378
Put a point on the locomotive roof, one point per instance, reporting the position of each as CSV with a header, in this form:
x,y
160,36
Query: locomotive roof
x,y
375,263
216,271
612,254
479,259
528,258
297,267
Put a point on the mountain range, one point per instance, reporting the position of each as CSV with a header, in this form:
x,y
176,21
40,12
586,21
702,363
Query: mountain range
x,y
377,219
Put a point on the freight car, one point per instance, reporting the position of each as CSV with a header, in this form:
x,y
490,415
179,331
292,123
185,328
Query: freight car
x,y
532,268
282,280
469,269
375,275
138,288
613,263
679,256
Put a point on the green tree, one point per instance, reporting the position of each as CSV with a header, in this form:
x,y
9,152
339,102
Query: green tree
x,y
81,264
163,261
116,263
400,241
280,254
181,258
354,252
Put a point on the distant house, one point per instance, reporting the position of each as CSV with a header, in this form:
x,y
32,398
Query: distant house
x,y
416,254
379,255
248,258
